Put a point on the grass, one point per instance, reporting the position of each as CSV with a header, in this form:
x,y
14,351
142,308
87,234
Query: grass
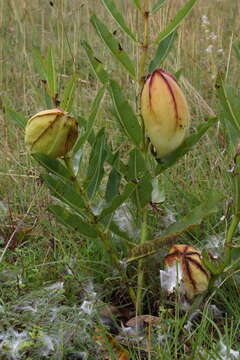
x,y
42,252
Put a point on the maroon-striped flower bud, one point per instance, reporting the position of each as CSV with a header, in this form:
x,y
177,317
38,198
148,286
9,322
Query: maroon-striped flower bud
x,y
193,276
165,112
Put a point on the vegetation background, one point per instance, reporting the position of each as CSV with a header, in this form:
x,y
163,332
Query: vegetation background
x,y
42,252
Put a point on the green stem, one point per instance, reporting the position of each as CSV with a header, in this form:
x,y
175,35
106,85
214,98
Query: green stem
x,y
143,59
230,234
140,281
236,216
105,238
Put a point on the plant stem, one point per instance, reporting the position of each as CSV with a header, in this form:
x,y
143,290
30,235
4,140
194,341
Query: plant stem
x,y
140,280
144,45
230,233
236,216
105,238
143,59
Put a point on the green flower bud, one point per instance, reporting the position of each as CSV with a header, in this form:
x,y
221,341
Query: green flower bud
x,y
52,132
165,112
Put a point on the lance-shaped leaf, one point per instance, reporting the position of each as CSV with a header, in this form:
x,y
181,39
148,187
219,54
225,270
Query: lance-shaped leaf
x,y
96,64
113,45
39,63
111,7
69,92
92,117
138,172
126,116
51,73
53,166
194,218
186,146
162,51
174,24
17,117
114,180
114,228
117,201
227,105
95,169
64,190
157,6
73,221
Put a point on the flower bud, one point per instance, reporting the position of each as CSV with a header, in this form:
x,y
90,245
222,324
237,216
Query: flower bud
x,y
52,132
165,112
194,276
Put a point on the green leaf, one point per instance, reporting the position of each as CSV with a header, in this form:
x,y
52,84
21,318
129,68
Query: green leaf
x,y
136,165
68,94
126,116
162,51
144,191
53,166
91,119
117,231
186,146
113,184
96,64
214,266
137,3
138,172
226,103
17,117
194,218
73,221
51,73
157,6
113,45
64,190
174,24
95,169
117,201
111,7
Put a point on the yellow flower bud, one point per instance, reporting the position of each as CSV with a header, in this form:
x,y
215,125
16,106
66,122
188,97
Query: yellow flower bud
x,y
52,132
195,277
165,112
